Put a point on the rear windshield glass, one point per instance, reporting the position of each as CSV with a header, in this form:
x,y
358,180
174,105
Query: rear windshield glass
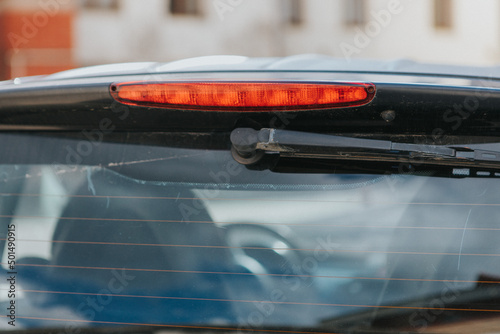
x,y
187,238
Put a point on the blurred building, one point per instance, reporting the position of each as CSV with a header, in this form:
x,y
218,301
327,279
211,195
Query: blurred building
x,y
43,36
36,37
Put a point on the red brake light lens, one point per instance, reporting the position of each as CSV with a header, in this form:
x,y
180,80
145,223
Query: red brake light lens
x,y
243,96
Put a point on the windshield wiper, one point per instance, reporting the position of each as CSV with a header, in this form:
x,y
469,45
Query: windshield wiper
x,y
305,151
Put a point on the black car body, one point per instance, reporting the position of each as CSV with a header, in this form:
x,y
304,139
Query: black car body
x,y
372,215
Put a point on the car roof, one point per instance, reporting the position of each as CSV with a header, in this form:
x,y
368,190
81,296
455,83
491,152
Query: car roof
x,y
306,62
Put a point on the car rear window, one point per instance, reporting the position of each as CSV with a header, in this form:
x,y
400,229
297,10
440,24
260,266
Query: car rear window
x,y
183,238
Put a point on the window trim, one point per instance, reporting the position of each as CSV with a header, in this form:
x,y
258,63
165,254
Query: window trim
x,y
294,11
100,5
443,14
196,11
355,12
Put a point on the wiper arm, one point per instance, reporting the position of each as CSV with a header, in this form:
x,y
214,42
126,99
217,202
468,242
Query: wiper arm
x,y
250,146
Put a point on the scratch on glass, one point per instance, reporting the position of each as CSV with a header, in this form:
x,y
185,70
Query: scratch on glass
x,y
462,242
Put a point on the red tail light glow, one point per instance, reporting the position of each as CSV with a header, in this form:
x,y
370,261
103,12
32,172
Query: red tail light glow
x,y
243,96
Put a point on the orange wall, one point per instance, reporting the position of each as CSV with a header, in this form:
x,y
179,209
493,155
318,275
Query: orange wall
x,y
35,42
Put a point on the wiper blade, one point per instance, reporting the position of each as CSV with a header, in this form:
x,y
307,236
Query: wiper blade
x,y
251,146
